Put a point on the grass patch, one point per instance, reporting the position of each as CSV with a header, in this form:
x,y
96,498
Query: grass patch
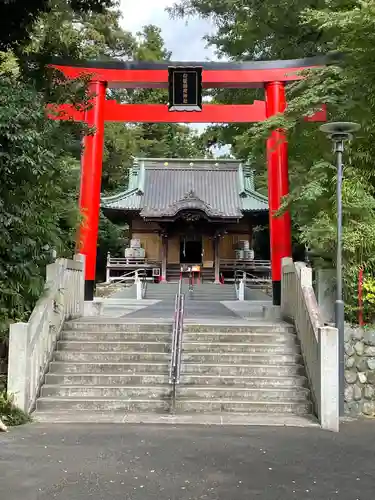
x,y
9,413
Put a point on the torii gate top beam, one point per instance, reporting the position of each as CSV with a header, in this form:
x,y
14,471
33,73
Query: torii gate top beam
x,y
141,74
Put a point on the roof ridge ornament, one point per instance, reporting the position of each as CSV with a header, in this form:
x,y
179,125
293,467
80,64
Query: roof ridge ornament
x,y
191,195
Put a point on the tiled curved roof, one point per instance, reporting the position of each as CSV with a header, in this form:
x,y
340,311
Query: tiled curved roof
x,y
166,187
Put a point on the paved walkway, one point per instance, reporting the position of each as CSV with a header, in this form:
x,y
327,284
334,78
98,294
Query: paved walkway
x,y
133,462
193,309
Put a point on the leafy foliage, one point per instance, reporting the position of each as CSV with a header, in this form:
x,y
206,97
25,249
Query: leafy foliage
x,y
369,298
37,196
10,414
16,19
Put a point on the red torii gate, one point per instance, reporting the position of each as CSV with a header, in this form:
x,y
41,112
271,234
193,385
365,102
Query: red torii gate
x,y
270,75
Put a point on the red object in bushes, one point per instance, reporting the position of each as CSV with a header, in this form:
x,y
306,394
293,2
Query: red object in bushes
x,y
360,297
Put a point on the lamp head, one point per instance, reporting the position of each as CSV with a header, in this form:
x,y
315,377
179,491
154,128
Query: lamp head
x,y
340,131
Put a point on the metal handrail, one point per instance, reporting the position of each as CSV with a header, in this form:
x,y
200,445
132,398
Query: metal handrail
x,y
126,277
174,341
251,279
176,351
180,338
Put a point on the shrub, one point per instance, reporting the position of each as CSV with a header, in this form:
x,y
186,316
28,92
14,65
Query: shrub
x,y
9,413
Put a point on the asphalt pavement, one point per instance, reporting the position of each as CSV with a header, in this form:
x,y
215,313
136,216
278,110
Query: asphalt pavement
x,y
145,462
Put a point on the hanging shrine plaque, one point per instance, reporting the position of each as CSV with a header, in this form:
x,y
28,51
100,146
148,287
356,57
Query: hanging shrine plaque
x,y
185,89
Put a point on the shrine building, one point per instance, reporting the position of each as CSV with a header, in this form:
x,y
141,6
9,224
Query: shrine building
x,y
189,212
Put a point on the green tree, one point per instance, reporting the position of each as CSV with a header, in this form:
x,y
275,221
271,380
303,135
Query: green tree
x,y
17,19
260,29
38,186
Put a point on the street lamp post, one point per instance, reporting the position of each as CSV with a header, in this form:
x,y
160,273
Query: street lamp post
x,y
339,132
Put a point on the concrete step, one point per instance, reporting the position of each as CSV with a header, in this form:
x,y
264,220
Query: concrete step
x,y
238,338
185,392
105,325
238,347
111,357
241,358
207,297
116,379
220,419
213,290
261,370
250,327
163,337
106,379
116,336
114,310
210,406
103,404
243,393
160,296
97,391
213,295
118,301
244,380
120,346
188,357
164,406
108,368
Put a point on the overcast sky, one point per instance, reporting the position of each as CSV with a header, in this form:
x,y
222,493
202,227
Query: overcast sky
x,y
185,41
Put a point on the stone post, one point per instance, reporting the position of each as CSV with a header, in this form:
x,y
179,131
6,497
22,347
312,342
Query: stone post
x,y
81,284
241,290
164,254
217,259
138,284
18,365
325,293
329,378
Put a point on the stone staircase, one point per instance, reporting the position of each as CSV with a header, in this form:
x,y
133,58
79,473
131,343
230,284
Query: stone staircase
x,y
173,273
203,291
243,369
161,291
109,367
213,292
104,369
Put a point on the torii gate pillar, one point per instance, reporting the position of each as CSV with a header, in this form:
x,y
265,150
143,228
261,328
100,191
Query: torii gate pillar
x,y
91,178
278,187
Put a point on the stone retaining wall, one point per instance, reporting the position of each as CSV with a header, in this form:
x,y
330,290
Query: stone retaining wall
x,y
359,371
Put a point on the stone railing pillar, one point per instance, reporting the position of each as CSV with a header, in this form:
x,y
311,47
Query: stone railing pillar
x,y
329,380
241,290
18,361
